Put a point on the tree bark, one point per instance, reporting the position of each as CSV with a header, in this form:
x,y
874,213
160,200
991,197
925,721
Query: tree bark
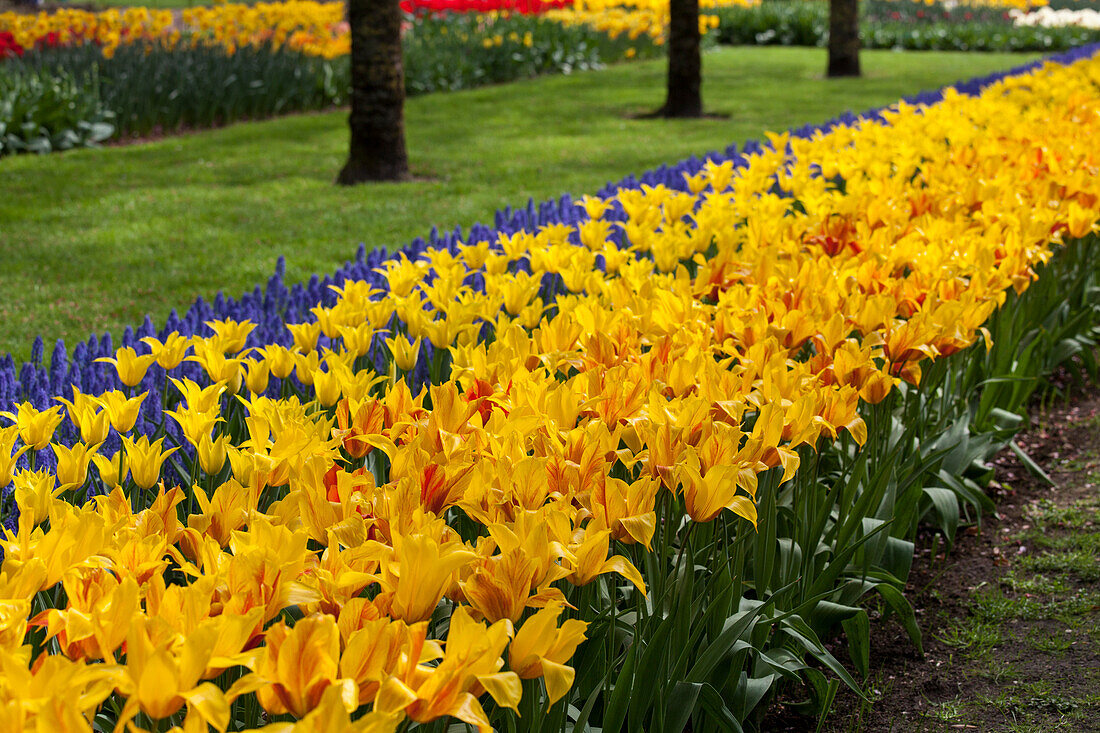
x,y
377,120
685,76
843,38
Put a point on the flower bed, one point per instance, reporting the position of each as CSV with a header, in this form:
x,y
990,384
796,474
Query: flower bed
x,y
674,436
1048,18
899,25
140,73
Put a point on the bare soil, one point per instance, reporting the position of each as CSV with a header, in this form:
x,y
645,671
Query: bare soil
x,y
1010,617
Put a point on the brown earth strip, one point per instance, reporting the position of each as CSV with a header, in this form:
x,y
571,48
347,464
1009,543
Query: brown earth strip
x,y
1011,617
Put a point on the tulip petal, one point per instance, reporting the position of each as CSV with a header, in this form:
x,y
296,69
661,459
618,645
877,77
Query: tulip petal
x,y
558,679
209,701
622,566
743,507
469,711
394,696
504,687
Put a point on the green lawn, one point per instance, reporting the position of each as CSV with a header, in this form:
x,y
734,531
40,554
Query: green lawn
x,y
94,239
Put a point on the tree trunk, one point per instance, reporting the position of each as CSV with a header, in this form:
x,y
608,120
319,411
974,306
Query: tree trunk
x,y
843,38
685,75
377,117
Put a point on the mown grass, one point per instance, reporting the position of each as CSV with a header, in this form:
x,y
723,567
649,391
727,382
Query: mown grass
x,y
93,240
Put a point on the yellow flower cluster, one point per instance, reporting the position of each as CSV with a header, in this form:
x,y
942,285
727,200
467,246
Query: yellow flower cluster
x,y
109,28
634,18
316,28
308,566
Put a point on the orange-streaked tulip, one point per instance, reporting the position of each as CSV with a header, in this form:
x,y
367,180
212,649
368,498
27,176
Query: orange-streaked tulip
x,y
470,664
420,570
297,665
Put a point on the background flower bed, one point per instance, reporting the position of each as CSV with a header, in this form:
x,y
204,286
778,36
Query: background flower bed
x,y
896,24
237,65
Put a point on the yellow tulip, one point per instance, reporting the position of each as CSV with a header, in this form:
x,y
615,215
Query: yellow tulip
x,y
195,425
418,572
358,339
88,416
131,368
592,560
169,353
212,453
229,335
222,370
72,464
305,335
326,385
163,675
279,359
36,427
35,492
54,694
405,353
705,496
306,365
145,459
121,410
9,456
257,374
627,509
541,649
199,399
113,471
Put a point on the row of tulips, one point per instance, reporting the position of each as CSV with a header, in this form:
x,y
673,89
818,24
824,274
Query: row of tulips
x,y
524,7
668,442
277,303
316,28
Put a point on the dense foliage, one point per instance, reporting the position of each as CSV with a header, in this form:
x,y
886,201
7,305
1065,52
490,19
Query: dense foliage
x,y
664,439
43,111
